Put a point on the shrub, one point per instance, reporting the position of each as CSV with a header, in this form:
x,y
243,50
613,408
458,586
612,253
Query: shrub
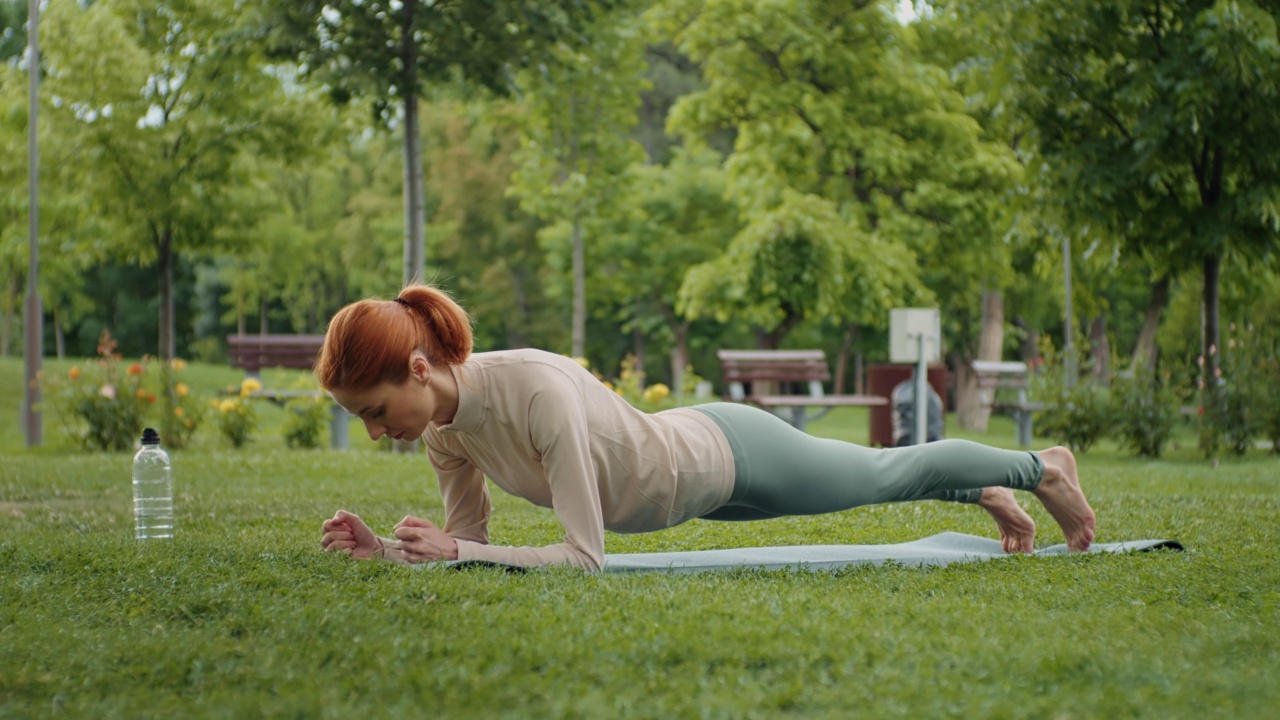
x,y
1240,404
237,417
102,405
183,412
305,416
1076,416
1146,410
1269,420
650,398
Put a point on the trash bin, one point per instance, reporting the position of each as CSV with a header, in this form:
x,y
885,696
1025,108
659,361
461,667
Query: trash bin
x,y
882,379
903,405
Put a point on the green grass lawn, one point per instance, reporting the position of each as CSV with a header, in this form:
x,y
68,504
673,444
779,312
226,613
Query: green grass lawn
x,y
243,616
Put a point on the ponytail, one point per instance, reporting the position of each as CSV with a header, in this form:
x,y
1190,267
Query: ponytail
x,y
369,341
448,322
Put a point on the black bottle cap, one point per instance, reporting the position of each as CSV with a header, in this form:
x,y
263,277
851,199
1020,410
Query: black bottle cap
x,y
150,437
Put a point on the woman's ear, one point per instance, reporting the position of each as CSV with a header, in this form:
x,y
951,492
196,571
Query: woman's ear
x,y
419,368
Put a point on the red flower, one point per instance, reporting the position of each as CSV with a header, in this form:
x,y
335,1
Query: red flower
x,y
135,369
1200,410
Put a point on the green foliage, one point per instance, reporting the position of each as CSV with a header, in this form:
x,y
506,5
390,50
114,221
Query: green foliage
x,y
1269,402
102,406
237,417
484,245
1146,409
1241,405
1076,414
182,409
370,50
166,110
1154,122
306,416
854,168
13,29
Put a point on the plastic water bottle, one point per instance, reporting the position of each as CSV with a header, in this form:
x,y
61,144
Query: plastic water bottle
x,y
152,490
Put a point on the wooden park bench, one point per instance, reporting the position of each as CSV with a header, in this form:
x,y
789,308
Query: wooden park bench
x,y
254,352
995,376
786,382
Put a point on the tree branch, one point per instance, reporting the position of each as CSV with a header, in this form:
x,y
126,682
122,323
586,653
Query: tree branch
x,y
1108,114
1154,25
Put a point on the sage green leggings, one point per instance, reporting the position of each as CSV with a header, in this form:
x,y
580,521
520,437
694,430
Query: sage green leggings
x,y
779,470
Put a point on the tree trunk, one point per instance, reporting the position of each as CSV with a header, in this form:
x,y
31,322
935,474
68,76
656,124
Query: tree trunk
x,y
971,411
165,263
264,323
517,336
1209,331
637,345
1100,351
1029,347
1144,350
11,296
242,320
772,339
842,359
579,320
59,337
679,357
415,214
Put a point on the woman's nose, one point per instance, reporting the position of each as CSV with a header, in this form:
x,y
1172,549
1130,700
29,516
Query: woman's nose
x,y
375,431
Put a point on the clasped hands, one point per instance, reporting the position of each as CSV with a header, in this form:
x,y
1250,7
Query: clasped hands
x,y
416,540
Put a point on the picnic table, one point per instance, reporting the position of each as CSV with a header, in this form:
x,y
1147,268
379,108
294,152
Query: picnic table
x,y
786,382
993,376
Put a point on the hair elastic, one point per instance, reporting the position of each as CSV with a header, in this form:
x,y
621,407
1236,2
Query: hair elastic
x,y
402,301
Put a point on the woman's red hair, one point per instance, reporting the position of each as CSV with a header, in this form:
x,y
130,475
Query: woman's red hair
x,y
369,341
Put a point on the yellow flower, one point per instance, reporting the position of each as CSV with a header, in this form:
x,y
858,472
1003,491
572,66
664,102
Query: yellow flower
x,y
141,393
656,393
182,390
178,364
227,405
249,387
582,361
178,412
75,372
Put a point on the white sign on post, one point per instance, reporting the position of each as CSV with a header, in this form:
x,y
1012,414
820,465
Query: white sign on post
x,y
906,325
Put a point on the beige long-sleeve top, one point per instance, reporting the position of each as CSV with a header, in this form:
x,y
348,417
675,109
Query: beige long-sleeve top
x,y
543,428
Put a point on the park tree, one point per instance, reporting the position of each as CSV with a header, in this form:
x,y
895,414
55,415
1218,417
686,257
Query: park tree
x,y
1158,122
676,217
13,200
67,225
861,181
389,52
165,104
576,145
487,246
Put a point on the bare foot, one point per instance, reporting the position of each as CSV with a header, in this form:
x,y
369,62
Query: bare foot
x,y
1060,492
1017,529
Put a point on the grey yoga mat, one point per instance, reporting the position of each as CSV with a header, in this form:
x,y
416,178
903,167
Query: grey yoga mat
x,y
940,549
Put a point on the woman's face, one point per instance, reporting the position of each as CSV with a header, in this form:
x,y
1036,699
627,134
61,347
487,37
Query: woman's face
x,y
393,410
402,411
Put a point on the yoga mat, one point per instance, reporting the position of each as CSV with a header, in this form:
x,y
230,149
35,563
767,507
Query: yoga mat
x,y
940,549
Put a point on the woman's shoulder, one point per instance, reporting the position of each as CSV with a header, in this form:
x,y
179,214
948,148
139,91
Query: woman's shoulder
x,y
530,359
